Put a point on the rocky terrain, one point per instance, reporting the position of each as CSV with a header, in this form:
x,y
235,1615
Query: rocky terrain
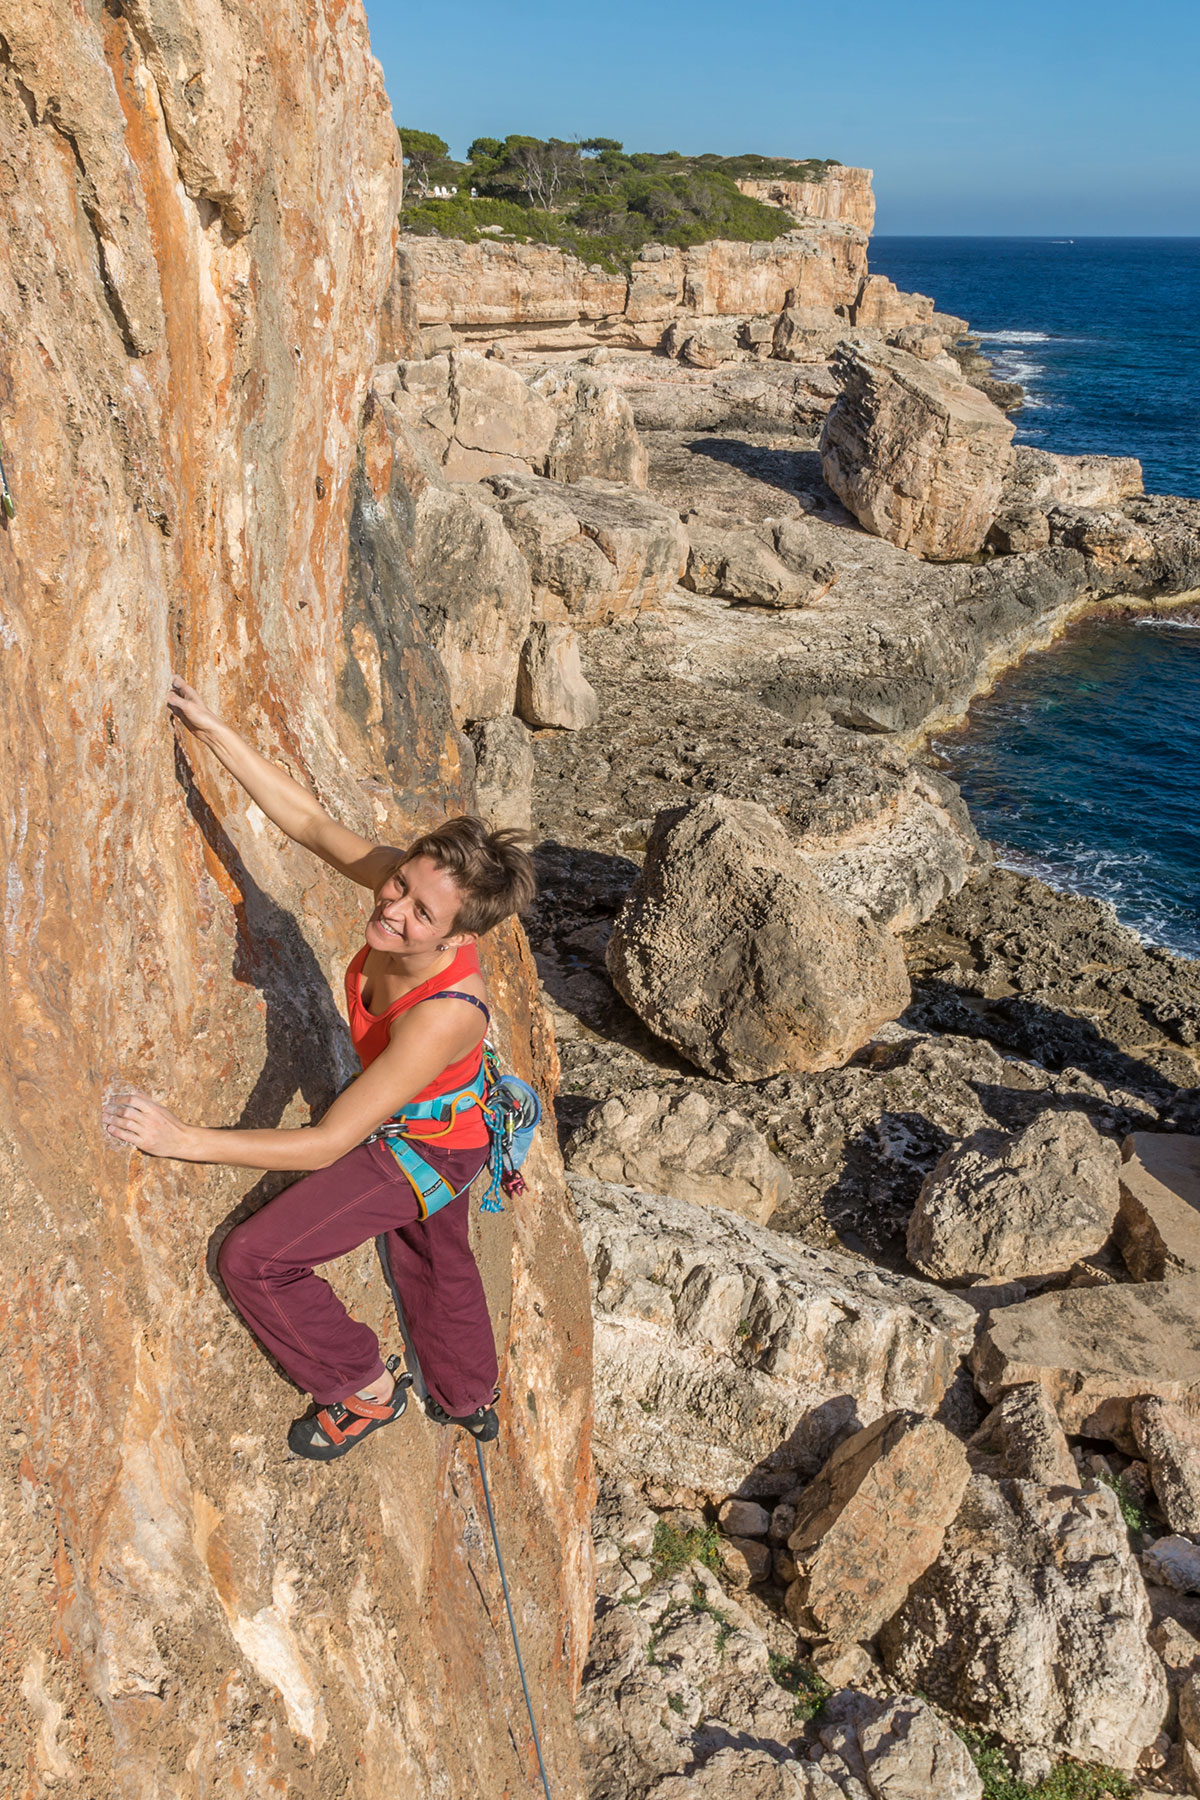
x,y
880,1154
880,1160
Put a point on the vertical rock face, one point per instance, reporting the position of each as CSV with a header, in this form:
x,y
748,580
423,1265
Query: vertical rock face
x,y
198,210
842,193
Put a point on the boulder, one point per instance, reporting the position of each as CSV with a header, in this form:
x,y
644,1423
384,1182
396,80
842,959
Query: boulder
x,y
728,947
595,434
1173,1562
916,455
704,344
595,551
551,686
503,772
1106,537
1169,1441
897,1748
806,334
1032,1624
925,342
471,584
730,1358
1041,479
882,306
744,1518
1094,1350
1158,1229
1022,1438
768,566
681,1144
870,1523
474,416
1019,529
1004,1205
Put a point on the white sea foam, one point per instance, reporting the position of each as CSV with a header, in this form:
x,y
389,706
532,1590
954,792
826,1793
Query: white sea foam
x,y
1016,337
1168,624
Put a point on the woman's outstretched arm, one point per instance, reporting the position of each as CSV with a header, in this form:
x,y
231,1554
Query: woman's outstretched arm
x,y
293,808
414,1057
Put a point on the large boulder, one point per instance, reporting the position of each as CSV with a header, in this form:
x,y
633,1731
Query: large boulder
x,y
1042,479
595,433
1008,1204
471,584
1169,1441
882,306
730,1359
1033,1624
552,689
728,947
916,454
677,1144
871,1522
774,565
503,772
1158,1229
1022,1438
595,551
1094,1350
897,1748
471,415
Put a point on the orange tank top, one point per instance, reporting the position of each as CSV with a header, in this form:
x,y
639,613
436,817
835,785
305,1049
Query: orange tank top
x,y
371,1032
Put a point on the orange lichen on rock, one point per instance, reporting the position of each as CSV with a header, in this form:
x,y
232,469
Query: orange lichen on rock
x,y
198,208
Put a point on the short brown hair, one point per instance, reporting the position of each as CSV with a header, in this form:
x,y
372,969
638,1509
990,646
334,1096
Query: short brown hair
x,y
493,869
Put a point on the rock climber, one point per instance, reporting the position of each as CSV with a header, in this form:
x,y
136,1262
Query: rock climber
x,y
418,1012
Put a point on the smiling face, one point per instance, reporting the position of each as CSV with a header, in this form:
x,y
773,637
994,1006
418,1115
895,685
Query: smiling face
x,y
415,911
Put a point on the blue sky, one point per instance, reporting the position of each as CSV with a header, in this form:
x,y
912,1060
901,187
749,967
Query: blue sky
x,y
1059,117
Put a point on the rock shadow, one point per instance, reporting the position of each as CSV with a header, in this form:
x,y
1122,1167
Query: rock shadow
x,y
579,895
1037,1033
796,472
883,1166
308,1046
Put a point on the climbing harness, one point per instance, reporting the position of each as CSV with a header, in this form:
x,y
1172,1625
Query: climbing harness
x,y
512,1112
7,503
419,1384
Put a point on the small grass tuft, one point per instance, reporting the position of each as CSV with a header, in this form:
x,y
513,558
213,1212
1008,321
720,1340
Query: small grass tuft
x,y
795,1677
1131,1507
1069,1781
675,1703
674,1549
700,1603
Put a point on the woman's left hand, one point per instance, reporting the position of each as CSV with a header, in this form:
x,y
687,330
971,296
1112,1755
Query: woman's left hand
x,y
142,1123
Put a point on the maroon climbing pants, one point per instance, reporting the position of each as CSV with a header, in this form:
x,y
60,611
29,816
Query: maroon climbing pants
x,y
267,1265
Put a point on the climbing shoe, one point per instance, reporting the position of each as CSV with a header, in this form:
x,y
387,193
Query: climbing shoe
x,y
333,1430
482,1423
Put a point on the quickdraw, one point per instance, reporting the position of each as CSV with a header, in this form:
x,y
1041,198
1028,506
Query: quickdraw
x,y
7,503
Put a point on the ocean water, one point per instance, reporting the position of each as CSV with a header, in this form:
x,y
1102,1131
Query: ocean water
x,y
1083,766
1103,334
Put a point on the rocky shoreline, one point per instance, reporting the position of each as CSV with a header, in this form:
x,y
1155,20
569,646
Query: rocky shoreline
x,y
791,680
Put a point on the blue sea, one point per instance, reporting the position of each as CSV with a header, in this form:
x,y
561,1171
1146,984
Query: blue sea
x,y
1084,765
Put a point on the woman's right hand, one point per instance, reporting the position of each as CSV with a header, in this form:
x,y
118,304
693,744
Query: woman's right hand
x,y
186,705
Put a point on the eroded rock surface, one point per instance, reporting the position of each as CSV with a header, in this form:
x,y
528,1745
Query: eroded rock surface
x,y
728,948
723,1348
685,1146
917,455
189,323
1033,1624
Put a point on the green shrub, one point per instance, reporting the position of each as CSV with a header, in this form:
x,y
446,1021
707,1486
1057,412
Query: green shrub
x,y
674,1549
596,202
1069,1781
795,1677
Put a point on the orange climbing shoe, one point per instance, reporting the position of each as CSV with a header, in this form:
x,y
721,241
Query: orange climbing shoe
x,y
333,1430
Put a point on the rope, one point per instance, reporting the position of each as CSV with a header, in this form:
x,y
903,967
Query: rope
x,y
421,1390
512,1622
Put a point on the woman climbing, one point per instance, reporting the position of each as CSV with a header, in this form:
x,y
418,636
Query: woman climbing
x,y
418,1015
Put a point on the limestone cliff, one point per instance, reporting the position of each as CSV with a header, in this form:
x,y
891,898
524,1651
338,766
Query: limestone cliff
x,y
842,193
198,209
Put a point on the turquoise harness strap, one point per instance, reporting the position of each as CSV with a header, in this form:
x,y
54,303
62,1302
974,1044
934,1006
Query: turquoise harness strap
x,y
432,1190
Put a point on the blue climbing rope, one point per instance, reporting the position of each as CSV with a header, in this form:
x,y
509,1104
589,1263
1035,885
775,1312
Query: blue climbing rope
x,y
512,1622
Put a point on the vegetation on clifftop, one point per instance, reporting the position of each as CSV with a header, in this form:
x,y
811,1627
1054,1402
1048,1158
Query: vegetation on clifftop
x,y
589,197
